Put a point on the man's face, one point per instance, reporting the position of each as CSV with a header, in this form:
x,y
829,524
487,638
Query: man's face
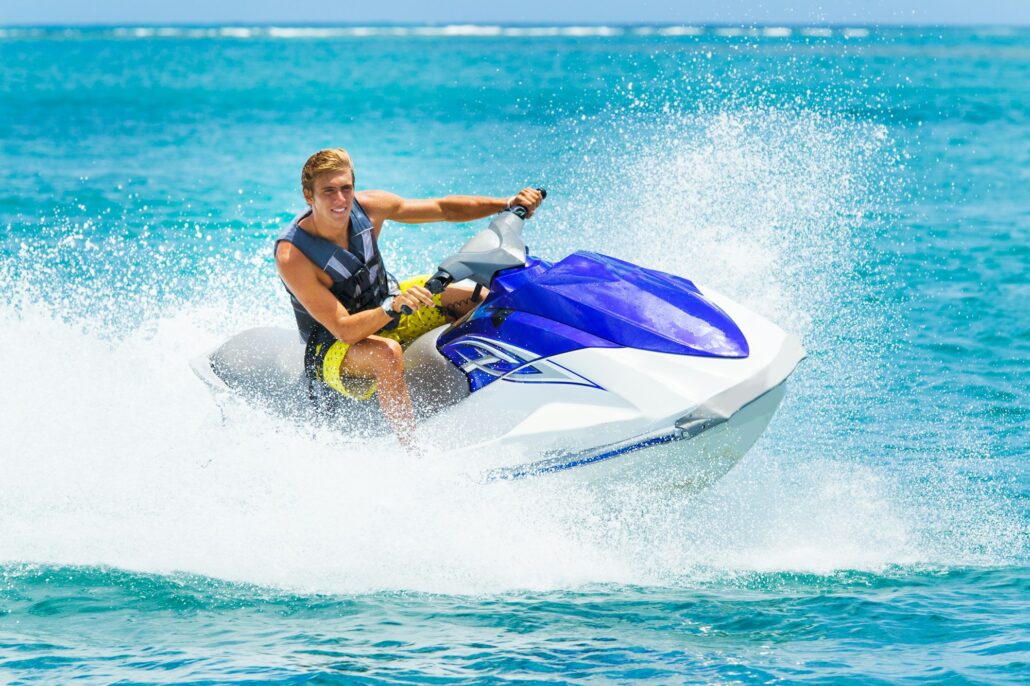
x,y
332,198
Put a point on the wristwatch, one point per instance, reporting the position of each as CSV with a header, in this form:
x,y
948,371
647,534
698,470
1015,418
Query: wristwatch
x,y
387,306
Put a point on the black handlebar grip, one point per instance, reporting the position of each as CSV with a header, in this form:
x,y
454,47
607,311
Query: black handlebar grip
x,y
438,282
435,285
521,212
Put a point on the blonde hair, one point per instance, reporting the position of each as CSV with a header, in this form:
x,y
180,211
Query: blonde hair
x,y
328,160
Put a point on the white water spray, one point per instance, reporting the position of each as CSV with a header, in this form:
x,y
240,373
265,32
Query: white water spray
x,y
114,454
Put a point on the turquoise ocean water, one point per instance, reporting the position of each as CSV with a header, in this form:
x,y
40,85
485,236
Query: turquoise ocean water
x,y
867,188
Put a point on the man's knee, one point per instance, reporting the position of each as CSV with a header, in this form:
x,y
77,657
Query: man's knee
x,y
389,357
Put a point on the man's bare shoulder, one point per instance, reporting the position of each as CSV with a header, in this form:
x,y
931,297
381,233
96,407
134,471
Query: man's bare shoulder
x,y
289,257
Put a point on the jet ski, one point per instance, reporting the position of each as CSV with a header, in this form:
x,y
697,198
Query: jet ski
x,y
588,368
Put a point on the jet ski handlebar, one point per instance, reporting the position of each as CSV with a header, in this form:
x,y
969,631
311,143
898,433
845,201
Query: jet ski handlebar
x,y
443,278
520,211
438,282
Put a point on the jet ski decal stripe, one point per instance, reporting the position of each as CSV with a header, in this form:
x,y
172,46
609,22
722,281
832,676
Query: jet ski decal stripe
x,y
546,467
505,362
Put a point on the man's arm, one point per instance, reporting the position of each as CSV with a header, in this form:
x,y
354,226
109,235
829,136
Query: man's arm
x,y
300,276
453,208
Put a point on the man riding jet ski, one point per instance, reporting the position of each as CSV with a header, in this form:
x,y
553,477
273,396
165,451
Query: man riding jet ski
x,y
352,315
589,367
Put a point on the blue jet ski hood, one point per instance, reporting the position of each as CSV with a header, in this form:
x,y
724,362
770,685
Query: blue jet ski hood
x,y
620,303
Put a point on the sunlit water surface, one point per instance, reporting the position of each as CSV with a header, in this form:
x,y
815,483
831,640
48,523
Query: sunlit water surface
x,y
864,188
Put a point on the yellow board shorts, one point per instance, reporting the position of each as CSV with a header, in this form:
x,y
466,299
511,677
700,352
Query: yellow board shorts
x,y
409,327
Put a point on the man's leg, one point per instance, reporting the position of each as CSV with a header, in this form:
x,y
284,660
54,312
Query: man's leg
x,y
382,359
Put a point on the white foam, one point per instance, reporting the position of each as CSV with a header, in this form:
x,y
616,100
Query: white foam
x,y
319,32
457,30
597,31
532,31
681,31
236,32
443,31
117,456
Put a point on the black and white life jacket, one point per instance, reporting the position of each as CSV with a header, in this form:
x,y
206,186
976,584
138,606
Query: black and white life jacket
x,y
360,279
